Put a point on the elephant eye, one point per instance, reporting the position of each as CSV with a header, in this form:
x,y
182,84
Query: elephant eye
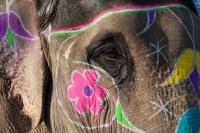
x,y
111,52
112,55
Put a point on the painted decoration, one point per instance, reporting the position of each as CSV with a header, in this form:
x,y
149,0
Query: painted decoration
x,y
162,107
187,67
10,25
151,16
150,10
97,71
188,64
189,122
118,115
158,51
121,117
86,92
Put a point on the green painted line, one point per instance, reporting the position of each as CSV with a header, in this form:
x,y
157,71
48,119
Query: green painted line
x,y
128,12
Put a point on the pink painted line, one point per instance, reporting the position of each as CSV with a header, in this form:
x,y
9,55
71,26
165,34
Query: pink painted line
x,y
112,11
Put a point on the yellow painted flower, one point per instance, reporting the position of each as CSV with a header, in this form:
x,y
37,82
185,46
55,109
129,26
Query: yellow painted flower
x,y
188,66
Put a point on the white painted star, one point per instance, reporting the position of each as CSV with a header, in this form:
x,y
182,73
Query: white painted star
x,y
47,32
162,108
158,51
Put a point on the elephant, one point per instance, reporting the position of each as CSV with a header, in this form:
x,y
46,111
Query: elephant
x,y
23,70
99,66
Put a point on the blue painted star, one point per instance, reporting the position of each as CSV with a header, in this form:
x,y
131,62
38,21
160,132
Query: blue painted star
x,y
158,51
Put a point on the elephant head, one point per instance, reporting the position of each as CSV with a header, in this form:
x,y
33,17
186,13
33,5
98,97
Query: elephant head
x,y
123,66
23,69
100,66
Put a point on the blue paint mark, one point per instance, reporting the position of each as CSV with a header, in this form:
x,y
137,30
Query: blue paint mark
x,y
197,5
189,122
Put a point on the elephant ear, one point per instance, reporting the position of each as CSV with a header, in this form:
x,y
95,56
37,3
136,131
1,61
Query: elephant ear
x,y
24,65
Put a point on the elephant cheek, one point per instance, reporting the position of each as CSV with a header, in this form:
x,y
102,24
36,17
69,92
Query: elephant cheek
x,y
98,105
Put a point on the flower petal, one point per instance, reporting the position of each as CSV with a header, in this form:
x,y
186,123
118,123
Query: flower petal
x,y
78,80
95,106
99,91
17,26
91,76
183,68
198,61
3,25
72,93
81,105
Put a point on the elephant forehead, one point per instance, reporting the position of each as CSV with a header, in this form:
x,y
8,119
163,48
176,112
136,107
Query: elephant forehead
x,y
71,31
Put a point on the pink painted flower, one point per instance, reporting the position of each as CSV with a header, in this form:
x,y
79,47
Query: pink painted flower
x,y
86,92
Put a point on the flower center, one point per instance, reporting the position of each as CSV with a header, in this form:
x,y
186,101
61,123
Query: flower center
x,y
87,91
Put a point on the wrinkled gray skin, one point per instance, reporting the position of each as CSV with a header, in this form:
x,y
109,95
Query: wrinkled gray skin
x,y
36,75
